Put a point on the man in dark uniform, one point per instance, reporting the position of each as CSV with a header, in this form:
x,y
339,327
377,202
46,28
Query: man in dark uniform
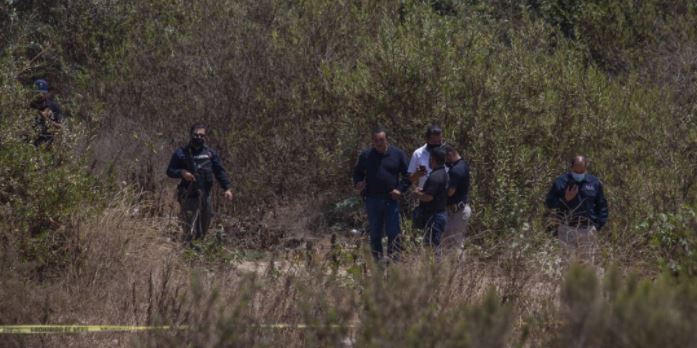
x,y
41,86
433,199
381,175
49,118
196,164
46,123
578,203
459,210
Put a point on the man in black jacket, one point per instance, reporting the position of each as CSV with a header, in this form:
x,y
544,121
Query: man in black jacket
x,y
577,200
196,164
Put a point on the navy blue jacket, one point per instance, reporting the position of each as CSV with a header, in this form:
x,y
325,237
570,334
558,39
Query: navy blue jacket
x,y
212,166
382,172
589,204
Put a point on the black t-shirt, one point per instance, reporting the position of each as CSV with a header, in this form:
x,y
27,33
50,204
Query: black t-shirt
x,y
459,175
437,186
382,172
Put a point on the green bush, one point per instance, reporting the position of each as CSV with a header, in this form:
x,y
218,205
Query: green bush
x,y
629,312
44,192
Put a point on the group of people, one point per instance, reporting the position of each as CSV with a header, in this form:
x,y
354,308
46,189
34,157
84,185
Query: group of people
x,y
439,178
436,175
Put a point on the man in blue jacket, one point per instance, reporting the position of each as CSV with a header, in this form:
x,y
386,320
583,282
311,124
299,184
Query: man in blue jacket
x,y
381,175
196,164
578,202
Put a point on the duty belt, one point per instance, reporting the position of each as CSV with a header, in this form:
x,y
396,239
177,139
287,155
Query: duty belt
x,y
457,207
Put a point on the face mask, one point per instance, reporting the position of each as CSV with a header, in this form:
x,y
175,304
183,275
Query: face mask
x,y
432,146
197,142
578,177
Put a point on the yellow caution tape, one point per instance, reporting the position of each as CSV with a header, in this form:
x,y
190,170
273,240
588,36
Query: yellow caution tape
x,y
60,329
49,329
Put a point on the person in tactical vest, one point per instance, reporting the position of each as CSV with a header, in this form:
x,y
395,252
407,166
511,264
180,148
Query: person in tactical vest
x,y
577,201
196,165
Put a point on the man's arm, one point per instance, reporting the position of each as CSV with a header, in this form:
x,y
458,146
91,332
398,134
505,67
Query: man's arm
x,y
219,171
404,179
413,169
176,165
467,181
601,210
452,183
360,168
424,197
429,191
553,199
57,112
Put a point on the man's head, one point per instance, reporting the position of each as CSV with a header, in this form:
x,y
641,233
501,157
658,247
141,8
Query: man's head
x,y
578,167
451,155
379,138
45,111
198,133
434,135
437,157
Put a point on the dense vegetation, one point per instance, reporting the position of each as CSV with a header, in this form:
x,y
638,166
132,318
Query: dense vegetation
x,y
291,89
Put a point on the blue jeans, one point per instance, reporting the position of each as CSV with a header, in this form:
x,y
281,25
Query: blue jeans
x,y
383,213
434,229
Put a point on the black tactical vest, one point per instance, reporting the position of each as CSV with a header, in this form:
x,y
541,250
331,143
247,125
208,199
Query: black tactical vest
x,y
201,163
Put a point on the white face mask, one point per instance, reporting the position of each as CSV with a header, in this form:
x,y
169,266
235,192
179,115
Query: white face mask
x,y
578,177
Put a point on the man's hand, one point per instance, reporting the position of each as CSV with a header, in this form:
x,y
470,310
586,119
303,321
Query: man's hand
x,y
395,194
186,175
571,193
229,195
418,174
359,186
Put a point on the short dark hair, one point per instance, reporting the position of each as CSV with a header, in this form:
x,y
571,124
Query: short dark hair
x,y
197,125
438,155
378,130
434,128
449,149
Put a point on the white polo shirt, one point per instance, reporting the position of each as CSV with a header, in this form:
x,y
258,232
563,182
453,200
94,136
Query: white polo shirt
x,y
420,157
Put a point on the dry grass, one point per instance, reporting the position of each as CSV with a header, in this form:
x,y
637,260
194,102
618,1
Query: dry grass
x,y
132,273
512,293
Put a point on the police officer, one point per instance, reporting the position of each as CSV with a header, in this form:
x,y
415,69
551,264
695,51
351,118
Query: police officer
x,y
49,117
196,164
433,199
45,98
46,123
578,202
459,210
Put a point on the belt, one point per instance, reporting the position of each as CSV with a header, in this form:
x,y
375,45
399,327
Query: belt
x,y
454,208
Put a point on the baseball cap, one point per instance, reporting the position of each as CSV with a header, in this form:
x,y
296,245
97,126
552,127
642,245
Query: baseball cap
x,y
41,85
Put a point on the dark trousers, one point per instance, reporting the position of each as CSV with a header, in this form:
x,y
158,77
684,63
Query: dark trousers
x,y
196,213
435,226
383,214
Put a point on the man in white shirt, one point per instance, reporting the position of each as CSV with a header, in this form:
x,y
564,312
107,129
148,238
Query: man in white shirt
x,y
419,167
